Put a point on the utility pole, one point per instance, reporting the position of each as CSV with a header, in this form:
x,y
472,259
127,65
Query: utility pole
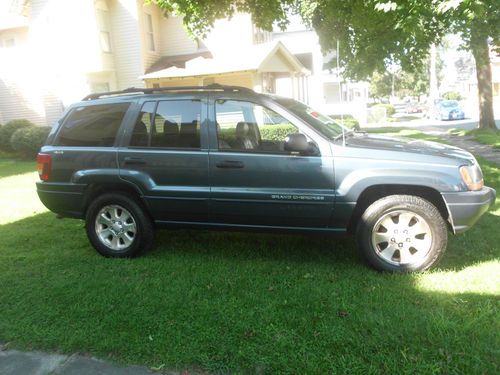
x,y
434,91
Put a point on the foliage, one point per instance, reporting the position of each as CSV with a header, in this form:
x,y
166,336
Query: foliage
x,y
10,128
380,85
27,141
347,120
276,133
219,302
373,34
389,108
452,95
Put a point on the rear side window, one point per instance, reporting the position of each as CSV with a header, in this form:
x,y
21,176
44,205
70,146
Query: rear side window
x,y
174,124
95,125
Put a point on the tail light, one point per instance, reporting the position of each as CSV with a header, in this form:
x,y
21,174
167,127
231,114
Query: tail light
x,y
44,165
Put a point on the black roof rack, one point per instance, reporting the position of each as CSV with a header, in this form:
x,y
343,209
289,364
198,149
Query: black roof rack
x,y
140,90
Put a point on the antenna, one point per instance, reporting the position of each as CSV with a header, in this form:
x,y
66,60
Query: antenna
x,y
340,93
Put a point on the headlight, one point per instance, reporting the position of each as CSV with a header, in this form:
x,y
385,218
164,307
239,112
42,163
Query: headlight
x,y
472,176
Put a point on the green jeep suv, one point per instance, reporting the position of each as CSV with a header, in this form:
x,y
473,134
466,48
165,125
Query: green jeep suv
x,y
225,157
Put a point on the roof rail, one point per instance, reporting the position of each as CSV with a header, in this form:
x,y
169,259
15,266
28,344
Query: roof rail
x,y
140,90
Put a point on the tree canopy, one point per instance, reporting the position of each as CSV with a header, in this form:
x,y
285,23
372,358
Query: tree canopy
x,y
373,34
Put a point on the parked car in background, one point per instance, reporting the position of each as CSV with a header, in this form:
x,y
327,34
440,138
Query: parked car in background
x,y
448,110
414,107
225,157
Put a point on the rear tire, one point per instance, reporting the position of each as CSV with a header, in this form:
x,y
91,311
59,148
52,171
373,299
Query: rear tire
x,y
118,226
402,233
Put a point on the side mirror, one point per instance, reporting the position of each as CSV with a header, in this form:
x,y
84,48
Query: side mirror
x,y
297,142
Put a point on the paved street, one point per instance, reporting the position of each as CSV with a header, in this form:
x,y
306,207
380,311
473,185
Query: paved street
x,y
13,362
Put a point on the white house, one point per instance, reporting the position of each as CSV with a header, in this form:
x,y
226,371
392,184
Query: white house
x,y
327,89
54,52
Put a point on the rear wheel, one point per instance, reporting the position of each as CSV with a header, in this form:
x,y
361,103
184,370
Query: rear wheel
x,y
117,226
402,233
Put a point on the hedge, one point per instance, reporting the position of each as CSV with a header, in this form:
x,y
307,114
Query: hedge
x,y
389,108
27,141
8,130
452,95
276,133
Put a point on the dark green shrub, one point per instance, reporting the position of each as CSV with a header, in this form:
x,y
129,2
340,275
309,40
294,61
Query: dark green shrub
x,y
452,95
276,133
390,110
27,141
9,129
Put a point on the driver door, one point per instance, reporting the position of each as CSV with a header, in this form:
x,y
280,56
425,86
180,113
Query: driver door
x,y
254,181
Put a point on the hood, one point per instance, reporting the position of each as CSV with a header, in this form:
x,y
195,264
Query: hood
x,y
408,145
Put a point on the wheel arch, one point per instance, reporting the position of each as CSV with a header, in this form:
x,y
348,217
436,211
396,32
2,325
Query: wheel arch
x,y
96,189
375,192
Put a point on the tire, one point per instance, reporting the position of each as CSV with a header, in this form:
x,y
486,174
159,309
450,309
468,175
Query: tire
x,y
118,226
402,233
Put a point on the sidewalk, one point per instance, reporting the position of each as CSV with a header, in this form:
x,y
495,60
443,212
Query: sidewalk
x,y
477,149
13,362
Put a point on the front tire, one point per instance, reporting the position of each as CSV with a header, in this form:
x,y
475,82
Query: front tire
x,y
118,226
402,233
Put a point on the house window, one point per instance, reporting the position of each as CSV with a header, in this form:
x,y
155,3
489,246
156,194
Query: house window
x,y
99,87
104,30
9,43
150,38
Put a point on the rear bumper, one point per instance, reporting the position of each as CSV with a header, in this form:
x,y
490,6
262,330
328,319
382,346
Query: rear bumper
x,y
64,199
465,208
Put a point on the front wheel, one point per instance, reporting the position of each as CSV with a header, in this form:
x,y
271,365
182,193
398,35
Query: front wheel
x,y
117,226
402,233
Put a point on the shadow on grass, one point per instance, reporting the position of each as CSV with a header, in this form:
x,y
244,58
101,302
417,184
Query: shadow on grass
x,y
228,302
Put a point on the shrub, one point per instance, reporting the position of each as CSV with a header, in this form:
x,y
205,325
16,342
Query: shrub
x,y
452,95
9,129
27,141
389,108
347,120
276,133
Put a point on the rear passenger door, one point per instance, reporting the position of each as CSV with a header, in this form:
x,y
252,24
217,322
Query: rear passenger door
x,y
166,155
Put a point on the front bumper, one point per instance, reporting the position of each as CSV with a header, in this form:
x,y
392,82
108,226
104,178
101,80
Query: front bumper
x,y
465,208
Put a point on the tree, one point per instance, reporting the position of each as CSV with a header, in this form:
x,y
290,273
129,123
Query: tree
x,y
373,34
380,85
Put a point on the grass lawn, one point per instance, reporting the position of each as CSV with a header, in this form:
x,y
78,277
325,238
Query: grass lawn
x,y
244,303
10,167
487,137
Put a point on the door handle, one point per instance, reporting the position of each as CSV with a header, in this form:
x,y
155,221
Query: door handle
x,y
230,164
134,161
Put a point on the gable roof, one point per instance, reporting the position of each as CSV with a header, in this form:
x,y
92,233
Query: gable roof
x,y
265,57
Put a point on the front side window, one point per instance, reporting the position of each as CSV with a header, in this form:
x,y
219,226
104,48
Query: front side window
x,y
249,127
173,124
95,125
325,125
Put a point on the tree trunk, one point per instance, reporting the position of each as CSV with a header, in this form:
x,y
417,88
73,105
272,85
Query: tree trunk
x,y
481,52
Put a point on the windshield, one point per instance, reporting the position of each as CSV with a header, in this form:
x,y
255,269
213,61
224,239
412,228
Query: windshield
x,y
327,126
449,103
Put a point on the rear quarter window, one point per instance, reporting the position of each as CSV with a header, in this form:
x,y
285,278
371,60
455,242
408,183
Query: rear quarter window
x,y
95,125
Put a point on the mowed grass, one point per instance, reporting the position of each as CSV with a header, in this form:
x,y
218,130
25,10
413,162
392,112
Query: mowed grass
x,y
10,167
487,137
248,303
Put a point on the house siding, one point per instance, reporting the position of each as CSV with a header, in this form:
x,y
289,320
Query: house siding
x,y
174,39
